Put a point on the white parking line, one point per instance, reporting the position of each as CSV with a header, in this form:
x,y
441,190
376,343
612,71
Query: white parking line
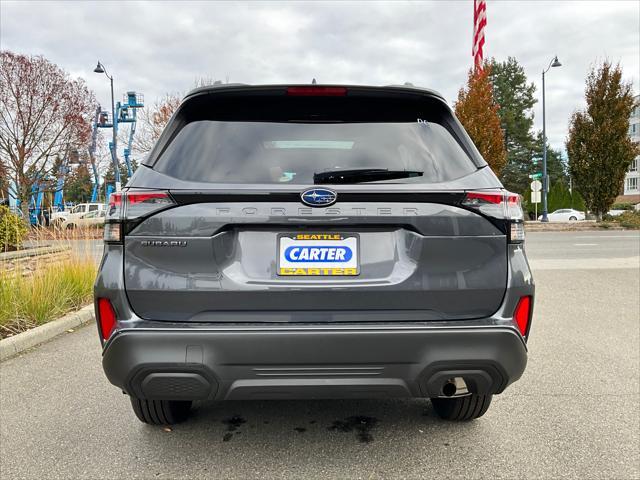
x,y
584,263
631,235
585,244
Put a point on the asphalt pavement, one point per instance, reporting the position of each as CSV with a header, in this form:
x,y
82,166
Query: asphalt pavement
x,y
574,414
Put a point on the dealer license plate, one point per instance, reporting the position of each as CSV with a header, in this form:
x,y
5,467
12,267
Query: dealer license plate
x,y
318,254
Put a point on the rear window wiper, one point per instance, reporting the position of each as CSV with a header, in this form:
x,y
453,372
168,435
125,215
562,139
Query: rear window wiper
x,y
362,175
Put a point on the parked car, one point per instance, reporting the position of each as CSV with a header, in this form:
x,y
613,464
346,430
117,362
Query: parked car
x,y
565,215
615,212
89,219
58,218
313,241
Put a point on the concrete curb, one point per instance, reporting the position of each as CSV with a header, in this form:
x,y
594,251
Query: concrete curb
x,y
584,226
33,252
22,341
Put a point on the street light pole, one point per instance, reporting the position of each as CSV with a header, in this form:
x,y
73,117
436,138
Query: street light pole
x,y
545,179
114,123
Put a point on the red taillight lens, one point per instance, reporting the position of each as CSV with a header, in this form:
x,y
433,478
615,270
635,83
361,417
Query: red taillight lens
x,y
479,198
107,318
314,91
139,204
115,206
522,314
133,198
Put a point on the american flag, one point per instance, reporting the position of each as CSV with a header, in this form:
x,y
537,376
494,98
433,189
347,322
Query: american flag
x,y
479,22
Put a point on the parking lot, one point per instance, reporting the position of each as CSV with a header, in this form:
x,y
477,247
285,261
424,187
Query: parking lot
x,y
574,414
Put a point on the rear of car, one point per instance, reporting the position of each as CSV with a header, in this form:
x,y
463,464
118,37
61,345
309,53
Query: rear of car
x,y
313,242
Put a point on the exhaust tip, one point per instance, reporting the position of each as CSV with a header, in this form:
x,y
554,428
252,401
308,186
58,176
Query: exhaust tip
x,y
455,387
449,389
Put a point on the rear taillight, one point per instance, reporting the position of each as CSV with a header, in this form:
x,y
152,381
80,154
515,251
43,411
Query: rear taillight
x,y
522,315
106,318
114,210
317,91
141,204
502,205
132,205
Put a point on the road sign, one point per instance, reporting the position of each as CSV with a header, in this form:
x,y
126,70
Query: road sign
x,y
536,186
534,176
536,197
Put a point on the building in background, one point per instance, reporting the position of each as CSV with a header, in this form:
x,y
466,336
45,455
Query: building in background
x,y
631,187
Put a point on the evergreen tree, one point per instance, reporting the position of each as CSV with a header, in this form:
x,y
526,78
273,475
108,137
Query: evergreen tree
x,y
557,169
109,176
598,146
78,186
515,97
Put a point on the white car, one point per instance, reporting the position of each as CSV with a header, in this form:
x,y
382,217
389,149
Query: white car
x,y
615,213
565,215
58,218
89,219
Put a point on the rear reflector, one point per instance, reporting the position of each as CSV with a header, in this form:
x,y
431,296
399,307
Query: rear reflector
x,y
522,314
107,318
317,91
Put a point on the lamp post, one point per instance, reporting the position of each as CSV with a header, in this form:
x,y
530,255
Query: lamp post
x,y
545,180
114,143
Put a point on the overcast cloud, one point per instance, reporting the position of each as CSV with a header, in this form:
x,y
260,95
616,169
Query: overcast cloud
x,y
160,47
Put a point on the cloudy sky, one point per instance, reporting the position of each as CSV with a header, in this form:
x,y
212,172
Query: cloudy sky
x,y
160,47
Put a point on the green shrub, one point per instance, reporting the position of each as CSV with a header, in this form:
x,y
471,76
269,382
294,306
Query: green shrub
x,y
12,229
629,219
622,206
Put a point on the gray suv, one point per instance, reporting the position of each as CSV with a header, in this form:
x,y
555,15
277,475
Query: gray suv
x,y
312,242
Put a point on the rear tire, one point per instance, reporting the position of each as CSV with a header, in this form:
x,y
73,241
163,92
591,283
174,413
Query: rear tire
x,y
462,408
160,412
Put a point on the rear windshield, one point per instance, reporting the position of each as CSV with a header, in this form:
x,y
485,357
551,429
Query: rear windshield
x,y
292,148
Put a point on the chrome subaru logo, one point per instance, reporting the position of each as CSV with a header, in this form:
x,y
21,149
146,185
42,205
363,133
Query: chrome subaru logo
x,y
319,197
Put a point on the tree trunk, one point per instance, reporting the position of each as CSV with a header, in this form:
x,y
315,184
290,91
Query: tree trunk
x,y
24,202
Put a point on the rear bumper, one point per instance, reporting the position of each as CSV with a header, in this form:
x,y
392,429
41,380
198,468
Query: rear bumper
x,y
284,362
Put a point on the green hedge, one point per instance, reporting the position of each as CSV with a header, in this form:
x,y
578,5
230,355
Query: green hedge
x,y
12,229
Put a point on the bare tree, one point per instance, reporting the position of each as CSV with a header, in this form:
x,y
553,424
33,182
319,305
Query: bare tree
x,y
4,181
154,118
43,113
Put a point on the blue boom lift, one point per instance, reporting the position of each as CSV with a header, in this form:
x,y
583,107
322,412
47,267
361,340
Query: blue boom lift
x,y
126,112
92,156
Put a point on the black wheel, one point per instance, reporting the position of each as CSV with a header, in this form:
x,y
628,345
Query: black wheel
x,y
462,408
572,219
70,226
160,412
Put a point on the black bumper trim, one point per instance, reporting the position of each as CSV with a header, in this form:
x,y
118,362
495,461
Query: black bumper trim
x,y
319,362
